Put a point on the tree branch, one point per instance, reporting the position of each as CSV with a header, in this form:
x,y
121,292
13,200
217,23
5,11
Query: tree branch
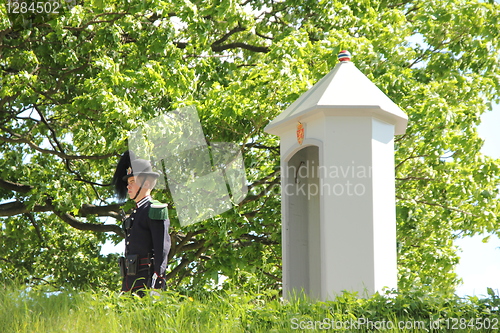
x,y
193,246
265,179
177,247
407,159
109,210
17,207
94,21
259,239
277,279
438,205
229,34
36,226
263,36
261,146
20,139
15,187
75,223
253,48
262,193
184,263
415,178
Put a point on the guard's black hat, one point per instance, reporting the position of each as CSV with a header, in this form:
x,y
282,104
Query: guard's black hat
x,y
128,166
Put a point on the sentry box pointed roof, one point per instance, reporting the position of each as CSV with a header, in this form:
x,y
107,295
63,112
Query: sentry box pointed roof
x,y
345,91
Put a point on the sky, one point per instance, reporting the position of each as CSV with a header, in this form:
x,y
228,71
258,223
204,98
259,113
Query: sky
x,y
479,265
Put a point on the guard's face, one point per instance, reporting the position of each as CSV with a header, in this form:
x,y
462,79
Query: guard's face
x,y
132,187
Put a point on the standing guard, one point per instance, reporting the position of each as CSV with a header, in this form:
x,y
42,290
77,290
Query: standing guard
x,y
147,241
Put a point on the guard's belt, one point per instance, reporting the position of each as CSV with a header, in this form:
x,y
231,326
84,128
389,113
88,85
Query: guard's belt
x,y
131,264
145,261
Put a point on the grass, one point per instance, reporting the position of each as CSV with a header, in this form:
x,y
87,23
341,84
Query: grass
x,y
237,311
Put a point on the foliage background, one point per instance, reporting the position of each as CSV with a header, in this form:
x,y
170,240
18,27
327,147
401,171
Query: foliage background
x,y
73,84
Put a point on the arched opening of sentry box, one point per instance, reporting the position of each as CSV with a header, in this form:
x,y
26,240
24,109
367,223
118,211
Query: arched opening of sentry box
x,y
301,229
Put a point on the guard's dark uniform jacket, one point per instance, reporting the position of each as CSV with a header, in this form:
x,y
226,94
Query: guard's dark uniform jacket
x,y
147,243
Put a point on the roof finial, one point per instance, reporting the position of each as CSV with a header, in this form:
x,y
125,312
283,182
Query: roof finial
x,y
344,56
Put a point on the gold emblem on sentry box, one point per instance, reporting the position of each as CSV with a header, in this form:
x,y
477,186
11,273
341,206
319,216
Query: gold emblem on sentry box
x,y
300,133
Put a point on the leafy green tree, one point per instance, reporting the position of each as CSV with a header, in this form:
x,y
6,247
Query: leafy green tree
x,y
73,84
